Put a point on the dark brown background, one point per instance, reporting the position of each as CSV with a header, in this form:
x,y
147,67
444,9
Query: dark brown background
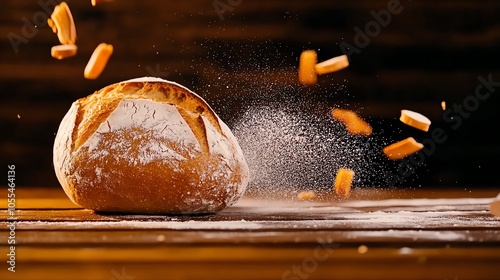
x,y
432,51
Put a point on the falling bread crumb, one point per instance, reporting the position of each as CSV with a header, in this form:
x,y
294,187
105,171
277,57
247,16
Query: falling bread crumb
x,y
362,249
353,123
61,21
307,73
306,195
343,182
98,2
63,51
402,148
415,120
332,65
98,61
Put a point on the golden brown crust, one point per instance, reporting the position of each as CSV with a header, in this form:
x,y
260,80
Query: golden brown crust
x,y
148,147
95,108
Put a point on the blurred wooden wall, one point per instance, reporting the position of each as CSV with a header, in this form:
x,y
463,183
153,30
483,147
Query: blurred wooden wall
x,y
431,51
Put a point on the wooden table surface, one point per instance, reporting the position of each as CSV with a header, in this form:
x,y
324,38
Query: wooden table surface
x,y
377,234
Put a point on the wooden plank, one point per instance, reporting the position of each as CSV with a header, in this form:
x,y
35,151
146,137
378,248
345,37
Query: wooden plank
x,y
413,238
256,263
244,253
277,222
285,215
395,238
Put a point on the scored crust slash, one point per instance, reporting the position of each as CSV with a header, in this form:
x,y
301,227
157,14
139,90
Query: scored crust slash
x,y
148,146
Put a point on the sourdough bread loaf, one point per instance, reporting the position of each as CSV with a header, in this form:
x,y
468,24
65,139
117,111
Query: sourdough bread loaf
x,y
148,145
